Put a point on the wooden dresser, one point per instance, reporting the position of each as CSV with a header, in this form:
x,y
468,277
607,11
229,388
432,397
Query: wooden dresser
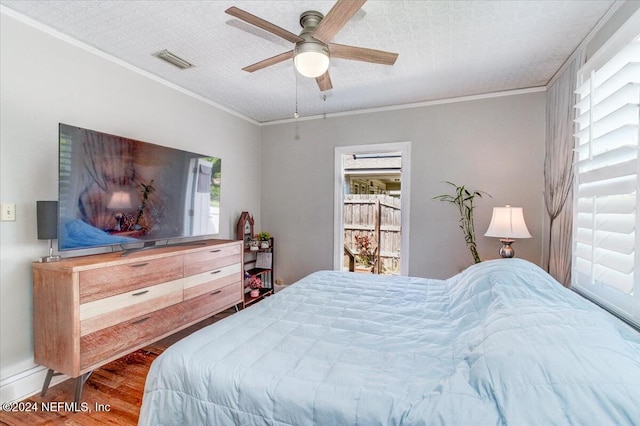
x,y
90,310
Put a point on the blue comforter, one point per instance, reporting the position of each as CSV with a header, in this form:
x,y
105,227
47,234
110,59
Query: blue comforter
x,y
501,343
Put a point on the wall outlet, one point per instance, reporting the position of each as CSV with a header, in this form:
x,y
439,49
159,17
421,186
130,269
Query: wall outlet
x,y
279,281
8,213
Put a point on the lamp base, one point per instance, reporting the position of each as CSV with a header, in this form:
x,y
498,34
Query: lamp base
x,y
506,251
51,257
47,259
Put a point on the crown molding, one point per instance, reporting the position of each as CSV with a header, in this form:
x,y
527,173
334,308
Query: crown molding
x,y
412,105
585,41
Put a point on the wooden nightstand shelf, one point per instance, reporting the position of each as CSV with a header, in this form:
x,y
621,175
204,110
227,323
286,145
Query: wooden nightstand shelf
x,y
264,292
260,263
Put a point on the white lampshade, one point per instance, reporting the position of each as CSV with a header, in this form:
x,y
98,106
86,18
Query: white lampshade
x,y
311,59
120,200
507,222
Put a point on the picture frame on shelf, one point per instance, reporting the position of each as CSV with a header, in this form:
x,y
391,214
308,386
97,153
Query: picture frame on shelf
x,y
264,260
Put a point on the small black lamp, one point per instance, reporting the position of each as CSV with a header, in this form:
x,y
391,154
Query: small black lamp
x,y
47,216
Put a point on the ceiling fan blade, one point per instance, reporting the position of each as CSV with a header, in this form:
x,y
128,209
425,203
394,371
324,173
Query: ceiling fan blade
x,y
261,23
362,54
268,62
324,82
337,17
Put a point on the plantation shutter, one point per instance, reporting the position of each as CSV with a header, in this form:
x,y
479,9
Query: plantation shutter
x,y
606,237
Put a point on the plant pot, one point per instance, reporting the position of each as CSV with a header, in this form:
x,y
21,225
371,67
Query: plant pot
x,y
255,292
363,269
264,244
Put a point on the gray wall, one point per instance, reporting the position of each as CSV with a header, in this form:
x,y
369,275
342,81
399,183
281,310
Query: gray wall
x,y
46,81
495,145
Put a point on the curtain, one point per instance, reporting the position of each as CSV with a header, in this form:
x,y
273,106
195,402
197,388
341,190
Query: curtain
x,y
558,171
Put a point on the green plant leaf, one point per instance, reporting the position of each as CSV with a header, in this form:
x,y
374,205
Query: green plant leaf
x,y
463,199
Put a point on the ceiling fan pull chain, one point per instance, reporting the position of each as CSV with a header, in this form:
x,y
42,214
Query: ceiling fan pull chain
x,y
295,75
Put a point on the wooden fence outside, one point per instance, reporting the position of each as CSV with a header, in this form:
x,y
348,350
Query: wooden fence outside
x,y
378,216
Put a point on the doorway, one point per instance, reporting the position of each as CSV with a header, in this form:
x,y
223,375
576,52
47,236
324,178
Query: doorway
x,y
371,208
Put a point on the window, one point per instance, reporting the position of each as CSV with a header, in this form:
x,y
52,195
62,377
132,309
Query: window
x,y
606,230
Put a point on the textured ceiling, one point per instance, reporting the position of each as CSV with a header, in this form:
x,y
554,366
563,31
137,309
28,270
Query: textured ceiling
x,y
446,49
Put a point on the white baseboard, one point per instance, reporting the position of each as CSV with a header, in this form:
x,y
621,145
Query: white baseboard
x,y
26,384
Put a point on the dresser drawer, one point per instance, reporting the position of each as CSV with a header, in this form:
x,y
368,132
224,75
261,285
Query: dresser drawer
x,y
204,305
106,312
113,342
103,282
212,258
196,285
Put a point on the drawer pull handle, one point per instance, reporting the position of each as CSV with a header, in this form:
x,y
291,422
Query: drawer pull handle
x,y
140,293
216,251
139,265
216,272
140,320
215,292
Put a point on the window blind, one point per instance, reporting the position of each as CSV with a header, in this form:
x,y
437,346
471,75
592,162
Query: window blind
x,y
606,237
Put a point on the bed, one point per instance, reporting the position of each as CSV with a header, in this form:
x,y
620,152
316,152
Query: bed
x,y
500,343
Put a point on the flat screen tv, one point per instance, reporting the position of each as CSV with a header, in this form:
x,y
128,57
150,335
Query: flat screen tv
x,y
118,192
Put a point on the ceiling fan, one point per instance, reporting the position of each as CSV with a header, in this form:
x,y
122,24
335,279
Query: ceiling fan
x,y
312,47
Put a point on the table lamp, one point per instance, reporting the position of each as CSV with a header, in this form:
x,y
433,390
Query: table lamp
x,y
507,223
47,224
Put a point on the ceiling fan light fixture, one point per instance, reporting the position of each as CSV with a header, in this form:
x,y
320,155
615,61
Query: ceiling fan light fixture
x,y
311,59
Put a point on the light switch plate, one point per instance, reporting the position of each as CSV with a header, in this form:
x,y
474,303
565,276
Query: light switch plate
x,y
8,212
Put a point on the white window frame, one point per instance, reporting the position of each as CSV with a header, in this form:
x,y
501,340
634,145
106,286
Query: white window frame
x,y
405,183
589,258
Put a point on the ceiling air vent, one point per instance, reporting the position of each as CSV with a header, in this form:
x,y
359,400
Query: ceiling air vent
x,y
165,55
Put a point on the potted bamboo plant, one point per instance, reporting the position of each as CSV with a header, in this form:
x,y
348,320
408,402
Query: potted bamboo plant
x,y
463,199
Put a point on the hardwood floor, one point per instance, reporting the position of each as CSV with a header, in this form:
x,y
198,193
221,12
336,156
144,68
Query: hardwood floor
x,y
111,396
